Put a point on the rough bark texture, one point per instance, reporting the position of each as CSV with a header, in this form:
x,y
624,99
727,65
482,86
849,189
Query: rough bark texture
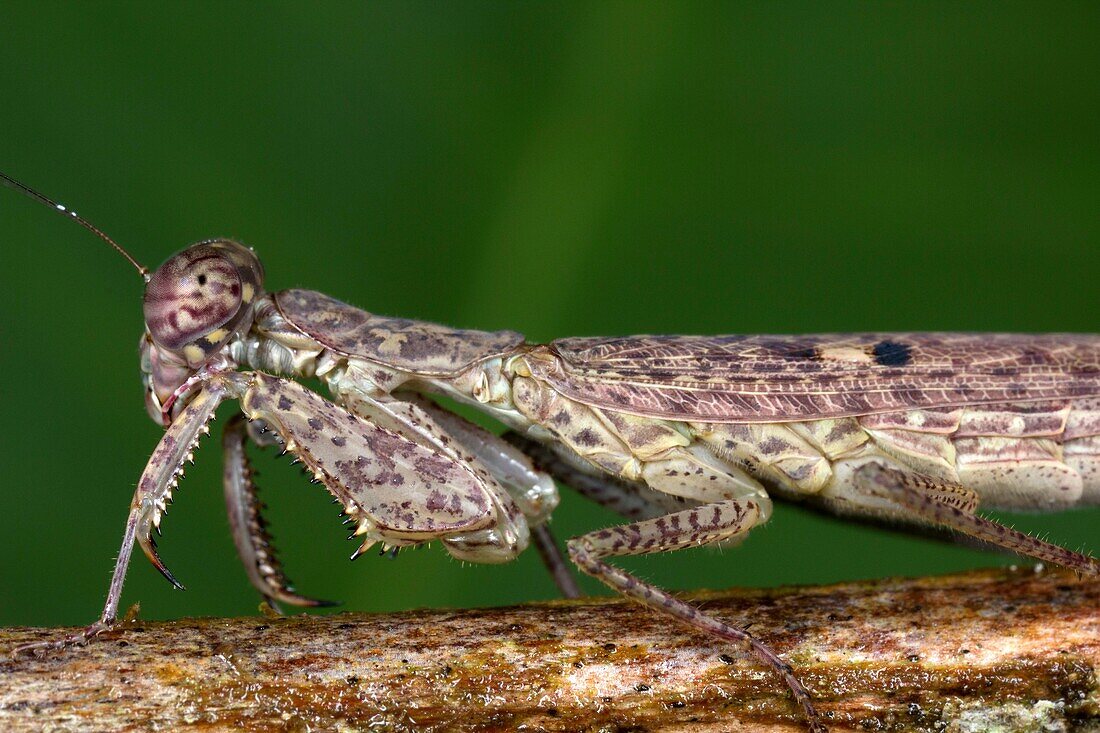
x,y
987,651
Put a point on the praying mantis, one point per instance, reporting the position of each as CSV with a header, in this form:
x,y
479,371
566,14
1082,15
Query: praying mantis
x,y
688,437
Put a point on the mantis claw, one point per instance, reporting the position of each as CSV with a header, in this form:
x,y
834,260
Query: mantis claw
x,y
164,469
361,549
149,546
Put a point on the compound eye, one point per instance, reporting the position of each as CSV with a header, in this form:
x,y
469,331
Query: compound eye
x,y
193,294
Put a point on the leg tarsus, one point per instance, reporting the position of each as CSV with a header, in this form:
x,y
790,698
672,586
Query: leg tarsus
x,y
79,638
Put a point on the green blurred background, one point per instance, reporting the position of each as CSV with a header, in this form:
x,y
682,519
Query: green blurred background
x,y
576,169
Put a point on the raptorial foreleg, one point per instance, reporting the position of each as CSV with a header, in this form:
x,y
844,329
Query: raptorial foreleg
x,y
154,493
531,488
397,473
246,520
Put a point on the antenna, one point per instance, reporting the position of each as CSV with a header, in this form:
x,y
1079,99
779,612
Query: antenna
x,y
62,209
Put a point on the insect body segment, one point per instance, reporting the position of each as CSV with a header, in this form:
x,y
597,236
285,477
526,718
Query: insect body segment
x,y
690,438
413,347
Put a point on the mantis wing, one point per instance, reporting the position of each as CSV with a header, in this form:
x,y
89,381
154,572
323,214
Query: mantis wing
x,y
781,378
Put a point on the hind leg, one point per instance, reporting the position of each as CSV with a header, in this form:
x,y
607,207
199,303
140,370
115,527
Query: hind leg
x,y
944,503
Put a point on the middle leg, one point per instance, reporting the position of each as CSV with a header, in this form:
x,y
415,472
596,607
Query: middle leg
x,y
734,503
706,524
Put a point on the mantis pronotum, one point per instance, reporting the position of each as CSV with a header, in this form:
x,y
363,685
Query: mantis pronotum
x,y
688,437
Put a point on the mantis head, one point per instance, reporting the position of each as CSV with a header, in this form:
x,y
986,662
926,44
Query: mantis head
x,y
194,304
200,297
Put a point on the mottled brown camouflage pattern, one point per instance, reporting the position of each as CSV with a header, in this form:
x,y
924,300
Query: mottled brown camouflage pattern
x,y
405,491
400,343
773,378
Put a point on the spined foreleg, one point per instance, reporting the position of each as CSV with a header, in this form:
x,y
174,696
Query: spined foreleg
x,y
154,493
246,520
528,484
396,472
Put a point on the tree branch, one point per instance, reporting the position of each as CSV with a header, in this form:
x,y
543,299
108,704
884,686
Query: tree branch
x,y
994,650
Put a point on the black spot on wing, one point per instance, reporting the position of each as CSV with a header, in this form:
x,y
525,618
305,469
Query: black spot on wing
x,y
892,353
